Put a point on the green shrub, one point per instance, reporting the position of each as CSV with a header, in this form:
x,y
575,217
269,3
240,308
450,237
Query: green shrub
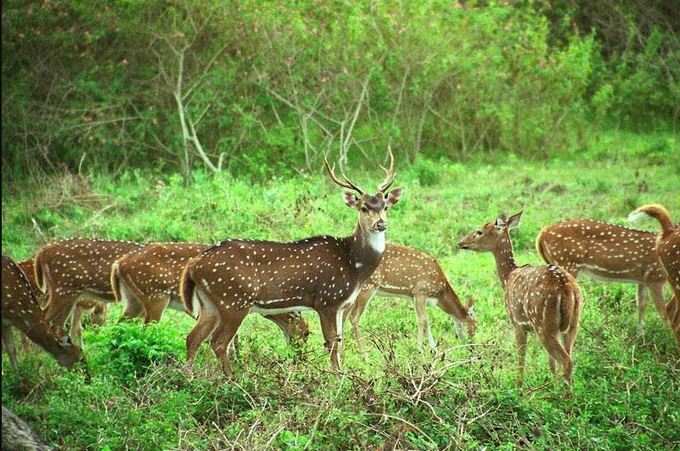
x,y
127,350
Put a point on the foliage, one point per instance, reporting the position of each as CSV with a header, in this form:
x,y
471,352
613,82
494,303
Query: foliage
x,y
271,87
126,350
141,396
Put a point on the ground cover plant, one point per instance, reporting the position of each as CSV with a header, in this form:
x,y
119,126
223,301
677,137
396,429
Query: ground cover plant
x,y
140,396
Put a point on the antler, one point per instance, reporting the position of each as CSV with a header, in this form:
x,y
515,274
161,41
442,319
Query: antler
x,y
389,173
347,183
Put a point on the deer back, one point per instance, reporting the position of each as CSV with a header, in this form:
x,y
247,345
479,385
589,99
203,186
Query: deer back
x,y
28,267
243,273
157,268
406,271
78,265
603,250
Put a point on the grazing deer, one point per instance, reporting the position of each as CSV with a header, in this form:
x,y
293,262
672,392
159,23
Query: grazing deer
x,y
148,281
96,309
606,252
668,250
66,270
21,309
404,271
226,282
545,299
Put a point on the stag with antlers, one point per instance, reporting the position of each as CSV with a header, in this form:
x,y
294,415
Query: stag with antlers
x,y
228,281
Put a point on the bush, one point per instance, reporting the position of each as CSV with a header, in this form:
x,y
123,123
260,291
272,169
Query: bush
x,y
128,350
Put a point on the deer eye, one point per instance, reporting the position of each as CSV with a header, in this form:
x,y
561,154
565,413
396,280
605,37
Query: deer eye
x,y
478,233
364,209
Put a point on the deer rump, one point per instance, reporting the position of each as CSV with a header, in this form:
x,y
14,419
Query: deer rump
x,y
273,277
558,301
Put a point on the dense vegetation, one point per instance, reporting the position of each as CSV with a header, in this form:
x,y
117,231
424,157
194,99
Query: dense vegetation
x,y
270,87
201,120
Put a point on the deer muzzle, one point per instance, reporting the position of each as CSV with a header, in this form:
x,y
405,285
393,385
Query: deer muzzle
x,y
380,226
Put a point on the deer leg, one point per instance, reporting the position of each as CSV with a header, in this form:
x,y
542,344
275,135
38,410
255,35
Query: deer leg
x,y
521,341
224,335
569,337
558,353
76,329
154,307
8,344
208,320
423,323
99,314
26,343
331,320
283,322
58,310
641,305
133,308
656,290
357,310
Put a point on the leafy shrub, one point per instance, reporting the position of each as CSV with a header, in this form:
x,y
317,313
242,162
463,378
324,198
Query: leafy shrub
x,y
128,350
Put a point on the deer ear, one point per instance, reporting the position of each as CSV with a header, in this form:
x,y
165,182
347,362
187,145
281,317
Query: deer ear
x,y
500,222
351,200
393,196
513,221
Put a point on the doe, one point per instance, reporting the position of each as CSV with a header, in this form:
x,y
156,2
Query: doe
x,y
545,299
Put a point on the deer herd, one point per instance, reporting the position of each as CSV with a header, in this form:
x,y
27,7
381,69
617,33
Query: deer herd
x,y
219,285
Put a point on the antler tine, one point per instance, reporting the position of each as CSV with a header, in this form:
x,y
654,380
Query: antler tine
x,y
353,185
389,173
346,184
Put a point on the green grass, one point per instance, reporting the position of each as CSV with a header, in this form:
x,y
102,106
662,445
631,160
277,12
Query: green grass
x,y
626,393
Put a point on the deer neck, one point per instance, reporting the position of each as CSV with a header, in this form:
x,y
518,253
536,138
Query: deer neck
x,y
505,260
366,250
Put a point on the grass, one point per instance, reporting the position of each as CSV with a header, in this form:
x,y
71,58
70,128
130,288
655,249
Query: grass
x,y
626,393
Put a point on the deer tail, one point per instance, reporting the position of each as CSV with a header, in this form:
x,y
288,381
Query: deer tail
x,y
40,272
570,304
657,212
541,248
187,290
115,281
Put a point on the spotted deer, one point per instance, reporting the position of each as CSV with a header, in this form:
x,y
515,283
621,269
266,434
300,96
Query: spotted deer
x,y
606,252
226,282
70,269
84,306
21,310
148,282
408,272
545,299
668,250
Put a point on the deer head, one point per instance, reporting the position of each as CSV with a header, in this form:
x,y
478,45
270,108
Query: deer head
x,y
372,208
488,237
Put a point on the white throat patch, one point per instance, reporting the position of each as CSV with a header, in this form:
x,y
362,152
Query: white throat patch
x,y
377,241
